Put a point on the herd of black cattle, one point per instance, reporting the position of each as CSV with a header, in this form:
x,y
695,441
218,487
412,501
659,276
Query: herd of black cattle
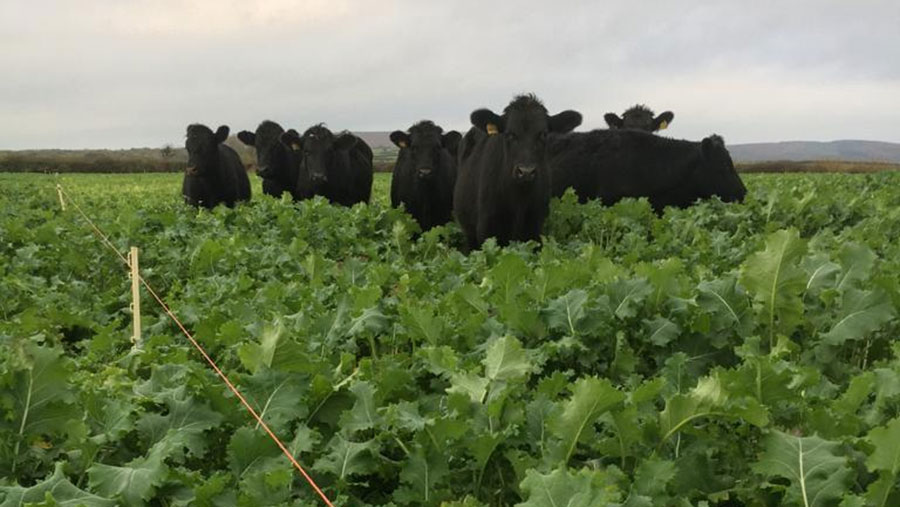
x,y
497,180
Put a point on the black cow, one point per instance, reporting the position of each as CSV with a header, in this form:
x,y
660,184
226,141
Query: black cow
x,y
639,117
337,167
214,173
614,164
425,173
276,163
503,186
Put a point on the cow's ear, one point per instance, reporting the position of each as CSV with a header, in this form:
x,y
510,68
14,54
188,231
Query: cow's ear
x,y
613,120
345,141
450,141
400,138
247,137
487,120
292,140
663,120
222,133
564,122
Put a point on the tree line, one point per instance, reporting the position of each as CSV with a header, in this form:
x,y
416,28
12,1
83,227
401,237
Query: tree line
x,y
136,160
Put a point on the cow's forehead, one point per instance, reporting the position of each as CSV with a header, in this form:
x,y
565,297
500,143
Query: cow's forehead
x,y
318,132
526,120
197,132
425,136
637,116
269,131
318,137
317,142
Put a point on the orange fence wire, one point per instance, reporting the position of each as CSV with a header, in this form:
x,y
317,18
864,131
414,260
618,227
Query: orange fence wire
x,y
105,240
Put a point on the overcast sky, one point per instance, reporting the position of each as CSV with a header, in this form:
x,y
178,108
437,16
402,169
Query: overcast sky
x,y
128,73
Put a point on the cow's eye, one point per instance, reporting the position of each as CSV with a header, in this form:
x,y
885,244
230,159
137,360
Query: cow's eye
x,y
542,136
510,136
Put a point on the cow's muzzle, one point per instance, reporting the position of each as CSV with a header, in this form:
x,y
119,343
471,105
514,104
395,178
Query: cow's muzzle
x,y
425,172
525,172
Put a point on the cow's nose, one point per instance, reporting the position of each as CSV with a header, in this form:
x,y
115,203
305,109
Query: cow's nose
x,y
525,171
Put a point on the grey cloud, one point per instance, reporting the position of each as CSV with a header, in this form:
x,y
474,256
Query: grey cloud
x,y
101,73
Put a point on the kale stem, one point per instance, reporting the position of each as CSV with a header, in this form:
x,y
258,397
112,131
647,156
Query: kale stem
x,y
24,419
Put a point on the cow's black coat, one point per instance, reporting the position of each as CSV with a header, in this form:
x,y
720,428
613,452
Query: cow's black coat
x,y
503,185
614,164
425,173
214,173
276,163
639,117
337,167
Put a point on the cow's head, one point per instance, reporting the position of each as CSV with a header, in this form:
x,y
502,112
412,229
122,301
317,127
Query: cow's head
x,y
639,117
271,154
523,129
423,145
202,145
719,176
317,147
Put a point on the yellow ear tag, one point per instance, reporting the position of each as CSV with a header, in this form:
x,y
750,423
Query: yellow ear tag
x,y
401,144
663,125
491,129
295,146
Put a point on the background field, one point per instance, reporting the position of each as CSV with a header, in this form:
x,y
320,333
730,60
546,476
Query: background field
x,y
733,354
838,156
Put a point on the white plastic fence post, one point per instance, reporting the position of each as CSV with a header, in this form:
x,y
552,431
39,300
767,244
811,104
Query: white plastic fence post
x,y
62,202
135,296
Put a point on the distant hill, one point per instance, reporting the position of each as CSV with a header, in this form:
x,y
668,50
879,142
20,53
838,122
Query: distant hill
x,y
851,151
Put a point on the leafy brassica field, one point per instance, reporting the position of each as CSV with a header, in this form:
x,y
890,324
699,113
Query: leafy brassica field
x,y
720,355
